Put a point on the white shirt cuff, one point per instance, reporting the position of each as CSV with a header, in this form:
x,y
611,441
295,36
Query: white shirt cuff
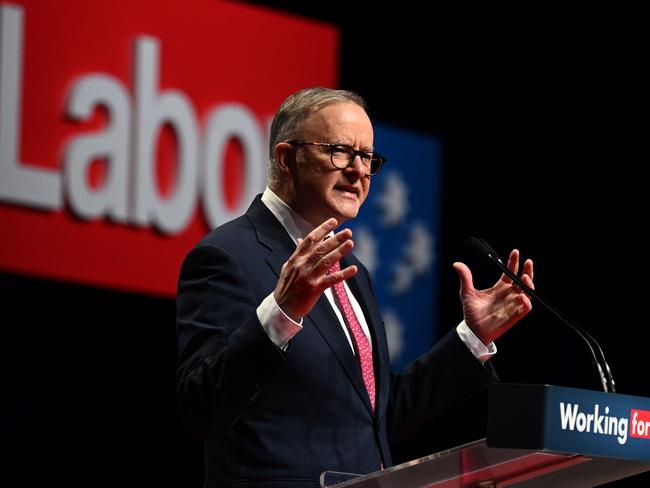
x,y
474,344
278,326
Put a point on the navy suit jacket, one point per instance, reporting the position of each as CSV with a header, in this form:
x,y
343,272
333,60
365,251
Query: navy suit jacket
x,y
279,418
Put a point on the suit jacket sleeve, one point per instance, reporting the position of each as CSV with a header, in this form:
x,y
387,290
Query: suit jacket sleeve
x,y
225,355
445,376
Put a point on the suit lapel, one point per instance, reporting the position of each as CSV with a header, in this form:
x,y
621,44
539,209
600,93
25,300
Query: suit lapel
x,y
271,235
323,318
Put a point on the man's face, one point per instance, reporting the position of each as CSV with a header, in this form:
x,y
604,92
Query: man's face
x,y
320,190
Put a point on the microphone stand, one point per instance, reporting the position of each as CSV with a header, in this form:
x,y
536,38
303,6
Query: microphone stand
x,y
604,373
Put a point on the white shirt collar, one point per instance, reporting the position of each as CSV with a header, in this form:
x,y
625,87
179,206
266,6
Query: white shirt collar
x,y
294,224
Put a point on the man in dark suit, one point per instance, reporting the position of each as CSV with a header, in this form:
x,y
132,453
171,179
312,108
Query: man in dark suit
x,y
284,368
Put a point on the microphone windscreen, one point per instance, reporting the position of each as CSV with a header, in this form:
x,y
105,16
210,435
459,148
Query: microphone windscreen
x,y
480,247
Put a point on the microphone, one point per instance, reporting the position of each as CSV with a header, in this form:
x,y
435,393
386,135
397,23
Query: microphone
x,y
483,249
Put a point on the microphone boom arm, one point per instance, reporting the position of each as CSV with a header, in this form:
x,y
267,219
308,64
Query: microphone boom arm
x,y
605,374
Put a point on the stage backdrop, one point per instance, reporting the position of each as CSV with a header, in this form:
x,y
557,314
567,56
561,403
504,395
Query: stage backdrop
x,y
126,136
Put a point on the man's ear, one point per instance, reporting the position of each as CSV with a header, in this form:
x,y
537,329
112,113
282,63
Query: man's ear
x,y
285,157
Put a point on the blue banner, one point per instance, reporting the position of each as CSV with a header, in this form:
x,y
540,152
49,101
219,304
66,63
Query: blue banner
x,y
395,237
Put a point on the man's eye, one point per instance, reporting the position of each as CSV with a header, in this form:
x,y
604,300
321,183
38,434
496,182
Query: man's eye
x,y
340,150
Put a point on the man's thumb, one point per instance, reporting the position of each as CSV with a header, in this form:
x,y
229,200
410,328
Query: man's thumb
x,y
465,275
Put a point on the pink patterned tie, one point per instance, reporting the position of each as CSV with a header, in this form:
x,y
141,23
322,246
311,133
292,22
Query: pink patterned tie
x,y
363,346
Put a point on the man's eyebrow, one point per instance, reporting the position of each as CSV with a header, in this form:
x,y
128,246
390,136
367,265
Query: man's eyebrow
x,y
366,149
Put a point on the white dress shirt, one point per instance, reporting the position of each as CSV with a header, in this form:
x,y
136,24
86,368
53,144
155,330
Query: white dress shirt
x,y
281,328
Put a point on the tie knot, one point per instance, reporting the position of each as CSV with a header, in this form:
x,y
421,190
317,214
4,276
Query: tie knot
x,y
336,267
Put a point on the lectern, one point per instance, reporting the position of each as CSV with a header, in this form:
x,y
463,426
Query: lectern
x,y
537,436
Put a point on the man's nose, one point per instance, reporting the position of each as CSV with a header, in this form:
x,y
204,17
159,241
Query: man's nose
x,y
357,167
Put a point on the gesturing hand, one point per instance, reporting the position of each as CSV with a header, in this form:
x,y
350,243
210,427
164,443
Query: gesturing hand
x,y
304,276
491,312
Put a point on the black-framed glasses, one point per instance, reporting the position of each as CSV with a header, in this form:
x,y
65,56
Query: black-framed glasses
x,y
342,156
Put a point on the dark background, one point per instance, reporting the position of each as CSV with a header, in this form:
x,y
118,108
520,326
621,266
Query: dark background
x,y
543,117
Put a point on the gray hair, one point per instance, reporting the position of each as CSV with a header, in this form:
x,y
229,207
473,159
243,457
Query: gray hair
x,y
290,118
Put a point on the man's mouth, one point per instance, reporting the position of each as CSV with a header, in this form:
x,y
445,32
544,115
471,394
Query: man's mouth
x,y
348,189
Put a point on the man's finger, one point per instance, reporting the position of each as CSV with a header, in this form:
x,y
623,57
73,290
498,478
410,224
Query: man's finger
x,y
336,254
317,235
528,281
332,279
528,268
513,265
465,275
327,246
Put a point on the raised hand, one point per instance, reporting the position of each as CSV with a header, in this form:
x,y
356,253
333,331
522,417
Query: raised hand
x,y
491,312
304,276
